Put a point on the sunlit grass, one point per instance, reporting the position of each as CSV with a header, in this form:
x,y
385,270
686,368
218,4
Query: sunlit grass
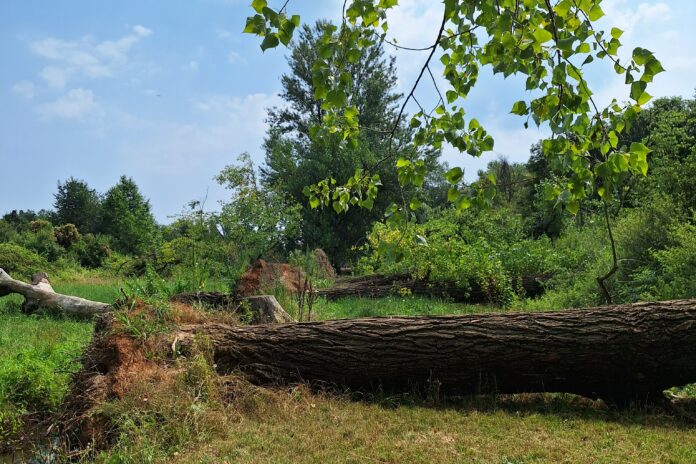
x,y
406,305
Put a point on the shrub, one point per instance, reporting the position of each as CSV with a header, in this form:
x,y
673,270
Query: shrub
x,y
67,235
677,265
489,249
19,261
92,251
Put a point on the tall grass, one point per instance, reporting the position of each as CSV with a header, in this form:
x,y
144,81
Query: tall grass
x,y
38,354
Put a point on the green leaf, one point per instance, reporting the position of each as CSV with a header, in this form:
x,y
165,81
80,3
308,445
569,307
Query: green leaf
x,y
453,194
255,25
563,8
520,107
451,96
616,32
414,204
637,90
641,55
259,5
542,35
454,175
595,13
573,207
270,41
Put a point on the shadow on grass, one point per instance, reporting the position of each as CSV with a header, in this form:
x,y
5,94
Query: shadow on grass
x,y
677,414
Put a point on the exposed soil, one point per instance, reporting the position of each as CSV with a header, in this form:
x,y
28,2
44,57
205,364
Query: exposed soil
x,y
263,276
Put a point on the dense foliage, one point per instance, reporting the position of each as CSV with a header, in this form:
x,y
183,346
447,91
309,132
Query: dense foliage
x,y
295,159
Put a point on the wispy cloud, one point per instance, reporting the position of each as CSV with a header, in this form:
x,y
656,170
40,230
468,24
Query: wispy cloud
x,y
76,104
24,89
85,57
236,58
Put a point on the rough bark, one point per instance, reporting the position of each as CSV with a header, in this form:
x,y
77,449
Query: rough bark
x,y
378,285
617,353
39,296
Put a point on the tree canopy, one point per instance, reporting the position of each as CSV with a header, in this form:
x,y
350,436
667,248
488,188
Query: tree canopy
x,y
550,43
76,203
126,216
295,159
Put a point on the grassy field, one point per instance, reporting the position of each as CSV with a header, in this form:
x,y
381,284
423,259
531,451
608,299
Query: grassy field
x,y
37,355
319,430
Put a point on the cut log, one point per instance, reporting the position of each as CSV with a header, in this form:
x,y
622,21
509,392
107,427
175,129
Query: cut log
x,y
39,297
377,285
261,309
617,353
265,309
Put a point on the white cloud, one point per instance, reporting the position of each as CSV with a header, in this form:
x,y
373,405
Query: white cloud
x,y
629,17
84,57
54,76
655,27
76,104
142,31
192,65
235,58
221,127
224,34
24,89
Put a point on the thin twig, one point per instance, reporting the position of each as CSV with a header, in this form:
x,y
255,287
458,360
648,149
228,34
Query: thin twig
x,y
615,265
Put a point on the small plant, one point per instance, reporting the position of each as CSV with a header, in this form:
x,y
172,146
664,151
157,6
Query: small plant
x,y
145,321
246,315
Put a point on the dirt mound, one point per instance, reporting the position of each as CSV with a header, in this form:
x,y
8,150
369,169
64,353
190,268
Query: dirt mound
x,y
265,277
112,364
324,267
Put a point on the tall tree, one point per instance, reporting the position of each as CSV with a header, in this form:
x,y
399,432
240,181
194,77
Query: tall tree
x,y
549,43
294,159
76,203
126,217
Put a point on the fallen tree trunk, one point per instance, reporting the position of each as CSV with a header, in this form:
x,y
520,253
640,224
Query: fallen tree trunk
x,y
618,353
377,285
39,296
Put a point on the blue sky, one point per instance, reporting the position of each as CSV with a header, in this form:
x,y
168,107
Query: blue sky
x,y
170,92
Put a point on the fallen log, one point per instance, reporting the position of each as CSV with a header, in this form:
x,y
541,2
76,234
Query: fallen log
x,y
39,296
378,285
618,353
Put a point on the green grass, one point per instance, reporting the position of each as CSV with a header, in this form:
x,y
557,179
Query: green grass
x,y
38,354
406,305
296,425
106,291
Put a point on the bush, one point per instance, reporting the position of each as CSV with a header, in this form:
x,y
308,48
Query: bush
x,y
41,239
488,249
677,266
67,235
20,262
92,251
